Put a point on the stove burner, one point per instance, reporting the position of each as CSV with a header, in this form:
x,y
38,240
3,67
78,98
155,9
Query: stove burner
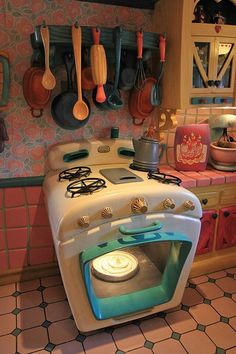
x,y
164,178
142,169
74,173
85,186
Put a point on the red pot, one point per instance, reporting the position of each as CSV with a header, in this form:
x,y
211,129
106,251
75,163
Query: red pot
x,y
140,106
36,96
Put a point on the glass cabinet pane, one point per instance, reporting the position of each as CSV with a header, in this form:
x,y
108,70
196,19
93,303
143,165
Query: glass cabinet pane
x,y
224,50
203,52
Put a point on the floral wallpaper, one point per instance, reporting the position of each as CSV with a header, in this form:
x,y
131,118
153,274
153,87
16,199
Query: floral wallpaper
x,y
29,138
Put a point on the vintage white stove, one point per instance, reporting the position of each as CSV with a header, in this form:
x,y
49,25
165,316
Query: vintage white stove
x,y
125,242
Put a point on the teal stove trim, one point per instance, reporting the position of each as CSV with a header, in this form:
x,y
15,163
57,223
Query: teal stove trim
x,y
116,306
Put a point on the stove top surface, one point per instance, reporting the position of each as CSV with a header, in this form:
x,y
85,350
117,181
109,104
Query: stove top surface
x,y
111,185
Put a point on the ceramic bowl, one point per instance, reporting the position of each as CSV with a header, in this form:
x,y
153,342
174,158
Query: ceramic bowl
x,y
223,156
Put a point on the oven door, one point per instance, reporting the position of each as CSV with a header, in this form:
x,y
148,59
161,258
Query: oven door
x,y
160,258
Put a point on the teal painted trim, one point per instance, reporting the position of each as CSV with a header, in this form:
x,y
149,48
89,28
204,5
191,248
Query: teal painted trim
x,y
154,227
21,182
6,80
76,155
123,151
104,308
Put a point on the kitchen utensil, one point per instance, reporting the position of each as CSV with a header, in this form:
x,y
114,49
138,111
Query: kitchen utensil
x,y
148,153
140,72
4,78
103,106
114,99
223,144
98,65
127,72
62,105
80,109
155,93
86,73
48,80
36,96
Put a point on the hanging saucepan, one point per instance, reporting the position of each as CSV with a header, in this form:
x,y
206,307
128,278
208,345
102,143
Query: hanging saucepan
x,y
144,96
138,117
140,106
36,96
62,105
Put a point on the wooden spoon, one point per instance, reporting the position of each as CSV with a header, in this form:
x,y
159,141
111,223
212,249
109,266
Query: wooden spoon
x,y
80,109
48,79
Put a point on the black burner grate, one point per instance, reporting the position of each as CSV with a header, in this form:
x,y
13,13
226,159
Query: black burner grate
x,y
74,173
164,178
86,186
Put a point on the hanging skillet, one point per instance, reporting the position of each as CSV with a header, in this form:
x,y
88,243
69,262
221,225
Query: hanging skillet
x,y
62,105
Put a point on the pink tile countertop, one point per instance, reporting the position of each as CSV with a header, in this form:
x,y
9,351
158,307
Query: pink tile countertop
x,y
209,177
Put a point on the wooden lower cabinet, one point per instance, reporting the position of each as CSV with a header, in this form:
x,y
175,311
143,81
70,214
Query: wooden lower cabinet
x,y
206,238
226,231
216,249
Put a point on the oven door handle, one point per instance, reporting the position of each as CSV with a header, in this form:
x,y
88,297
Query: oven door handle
x,y
154,227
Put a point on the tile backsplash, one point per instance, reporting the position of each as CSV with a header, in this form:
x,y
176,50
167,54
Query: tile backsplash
x,y
25,235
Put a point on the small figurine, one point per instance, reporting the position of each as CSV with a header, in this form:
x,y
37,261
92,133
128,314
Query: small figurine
x,y
199,14
218,18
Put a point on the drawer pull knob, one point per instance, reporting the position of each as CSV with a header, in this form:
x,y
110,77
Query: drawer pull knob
x,y
214,216
226,213
205,201
210,83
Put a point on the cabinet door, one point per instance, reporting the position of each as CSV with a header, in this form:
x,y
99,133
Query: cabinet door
x,y
206,238
226,231
203,63
213,65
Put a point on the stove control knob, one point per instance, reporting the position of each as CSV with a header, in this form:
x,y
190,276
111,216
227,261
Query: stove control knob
x,y
84,221
188,205
139,206
106,213
169,203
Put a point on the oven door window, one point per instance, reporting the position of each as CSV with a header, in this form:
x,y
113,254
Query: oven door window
x,y
159,258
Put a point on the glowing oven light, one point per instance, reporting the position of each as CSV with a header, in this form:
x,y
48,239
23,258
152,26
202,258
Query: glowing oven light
x,y
115,266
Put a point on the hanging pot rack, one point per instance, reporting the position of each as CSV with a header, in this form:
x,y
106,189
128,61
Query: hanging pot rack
x,y
61,40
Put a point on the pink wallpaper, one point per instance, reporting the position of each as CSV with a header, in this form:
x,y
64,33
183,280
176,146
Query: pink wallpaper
x,y
29,138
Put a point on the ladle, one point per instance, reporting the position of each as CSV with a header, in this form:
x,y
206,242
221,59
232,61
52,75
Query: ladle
x,y
114,100
48,79
80,109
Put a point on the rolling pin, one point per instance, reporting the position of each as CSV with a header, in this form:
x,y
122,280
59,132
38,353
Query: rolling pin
x,y
98,65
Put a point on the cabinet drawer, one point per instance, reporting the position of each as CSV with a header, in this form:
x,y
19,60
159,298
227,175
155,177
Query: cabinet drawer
x,y
209,199
228,196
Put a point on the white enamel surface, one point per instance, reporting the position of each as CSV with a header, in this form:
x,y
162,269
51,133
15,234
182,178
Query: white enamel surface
x,y
71,239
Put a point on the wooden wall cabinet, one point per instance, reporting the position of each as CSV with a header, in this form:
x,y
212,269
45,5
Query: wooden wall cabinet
x,y
200,66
